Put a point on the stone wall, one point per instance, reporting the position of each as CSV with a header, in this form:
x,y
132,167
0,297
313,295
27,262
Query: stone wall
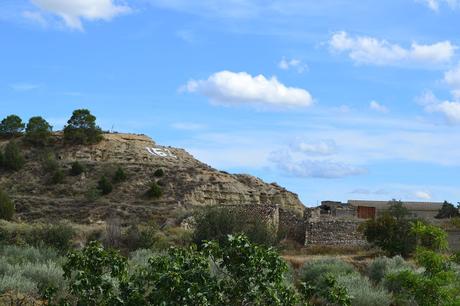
x,y
333,231
291,226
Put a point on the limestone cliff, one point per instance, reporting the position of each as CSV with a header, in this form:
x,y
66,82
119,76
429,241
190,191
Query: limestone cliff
x,y
186,183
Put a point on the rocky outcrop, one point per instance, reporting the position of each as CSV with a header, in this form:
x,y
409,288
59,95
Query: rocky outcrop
x,y
186,183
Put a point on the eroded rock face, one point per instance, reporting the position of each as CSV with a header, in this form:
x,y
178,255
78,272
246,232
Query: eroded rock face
x,y
186,183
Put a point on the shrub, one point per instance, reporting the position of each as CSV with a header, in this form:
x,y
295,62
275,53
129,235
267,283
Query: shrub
x,y
49,162
391,231
216,223
76,168
82,129
429,236
58,236
38,131
240,273
104,185
382,266
159,173
2,160
362,292
119,176
137,237
57,177
154,191
11,126
92,194
12,158
6,207
315,272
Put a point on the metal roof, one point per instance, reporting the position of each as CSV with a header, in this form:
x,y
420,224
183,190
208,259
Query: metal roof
x,y
433,206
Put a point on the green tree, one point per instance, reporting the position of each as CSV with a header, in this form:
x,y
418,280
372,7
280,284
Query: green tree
x,y
154,191
241,274
82,129
11,126
448,211
38,131
119,176
13,159
159,173
392,231
6,206
104,185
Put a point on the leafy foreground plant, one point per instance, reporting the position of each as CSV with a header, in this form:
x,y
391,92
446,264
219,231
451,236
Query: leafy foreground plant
x,y
235,272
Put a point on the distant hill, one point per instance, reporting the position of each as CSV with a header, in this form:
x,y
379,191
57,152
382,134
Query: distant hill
x,y
186,182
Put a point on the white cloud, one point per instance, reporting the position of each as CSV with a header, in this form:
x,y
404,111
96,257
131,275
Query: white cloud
x,y
322,147
450,110
290,166
24,86
35,17
376,106
434,4
423,195
231,88
370,50
73,11
296,64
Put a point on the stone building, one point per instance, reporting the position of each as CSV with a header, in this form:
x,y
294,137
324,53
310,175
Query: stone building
x,y
372,209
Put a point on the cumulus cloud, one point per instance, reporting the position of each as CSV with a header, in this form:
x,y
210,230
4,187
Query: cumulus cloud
x,y
370,50
376,106
423,195
296,64
434,4
450,109
73,11
230,88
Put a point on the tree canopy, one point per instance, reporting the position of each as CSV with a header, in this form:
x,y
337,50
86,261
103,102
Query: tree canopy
x,y
11,126
38,131
82,129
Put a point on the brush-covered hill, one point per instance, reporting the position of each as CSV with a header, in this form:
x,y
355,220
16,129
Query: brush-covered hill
x,y
186,182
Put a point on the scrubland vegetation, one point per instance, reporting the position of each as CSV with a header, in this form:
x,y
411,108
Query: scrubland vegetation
x,y
228,257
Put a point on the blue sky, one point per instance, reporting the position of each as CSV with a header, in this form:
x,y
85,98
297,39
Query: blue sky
x,y
332,99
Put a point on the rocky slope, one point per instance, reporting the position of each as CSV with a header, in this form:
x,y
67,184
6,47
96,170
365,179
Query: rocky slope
x,y
186,183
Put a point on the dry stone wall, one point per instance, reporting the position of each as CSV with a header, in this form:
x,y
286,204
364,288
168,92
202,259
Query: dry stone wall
x,y
332,231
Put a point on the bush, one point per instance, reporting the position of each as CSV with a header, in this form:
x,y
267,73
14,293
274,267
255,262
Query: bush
x,y
159,173
6,207
429,236
104,186
241,274
82,129
57,177
49,162
315,272
137,237
76,168
58,236
12,158
382,266
154,191
2,160
11,126
38,131
28,270
392,231
119,176
362,292
216,223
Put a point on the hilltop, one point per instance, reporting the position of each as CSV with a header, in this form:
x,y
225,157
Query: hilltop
x,y
185,182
